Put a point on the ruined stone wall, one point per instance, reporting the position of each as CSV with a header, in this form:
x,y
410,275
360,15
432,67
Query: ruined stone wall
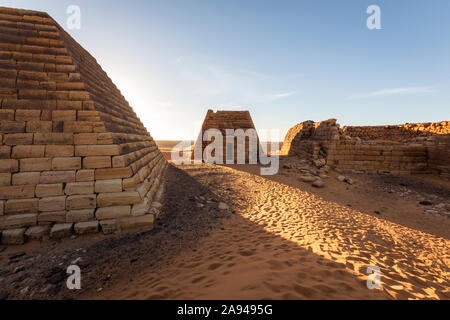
x,y
223,120
406,149
73,155
399,133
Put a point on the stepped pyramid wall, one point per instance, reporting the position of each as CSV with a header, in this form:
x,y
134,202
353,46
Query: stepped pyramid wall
x,y
74,157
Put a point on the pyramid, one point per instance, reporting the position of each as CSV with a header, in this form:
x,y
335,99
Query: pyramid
x,y
223,120
74,157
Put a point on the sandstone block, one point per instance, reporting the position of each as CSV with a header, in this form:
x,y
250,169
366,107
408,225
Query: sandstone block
x,y
118,199
5,179
85,175
80,215
97,150
61,151
52,204
26,178
97,162
53,138
56,217
85,138
17,139
112,173
86,227
62,230
37,232
5,152
108,186
113,212
38,126
35,164
66,164
49,190
23,152
27,115
21,206
109,226
79,188
141,208
2,207
9,165
14,236
137,222
18,221
17,192
81,202
64,115
52,177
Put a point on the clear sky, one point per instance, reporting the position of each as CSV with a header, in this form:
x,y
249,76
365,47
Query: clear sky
x,y
285,61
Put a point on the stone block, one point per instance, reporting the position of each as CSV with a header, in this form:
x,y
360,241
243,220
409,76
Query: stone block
x,y
86,227
52,151
79,188
51,177
63,230
81,202
14,236
18,221
118,199
113,212
23,152
49,190
21,206
66,164
35,164
5,179
85,138
25,178
85,175
97,162
9,165
108,186
37,232
64,115
112,173
2,207
97,150
109,226
16,192
80,215
52,204
52,217
137,222
18,139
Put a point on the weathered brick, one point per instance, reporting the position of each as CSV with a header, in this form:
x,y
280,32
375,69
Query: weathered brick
x,y
21,206
25,178
52,204
27,115
16,139
18,221
23,152
113,212
6,115
37,232
14,236
5,152
85,138
65,164
5,179
80,215
49,190
112,173
50,177
97,162
35,164
38,126
137,222
52,217
63,230
81,202
64,115
96,150
108,186
118,199
109,226
79,188
52,151
17,192
53,138
9,165
85,175
12,127
2,207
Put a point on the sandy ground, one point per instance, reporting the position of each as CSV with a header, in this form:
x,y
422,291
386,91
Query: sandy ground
x,y
279,239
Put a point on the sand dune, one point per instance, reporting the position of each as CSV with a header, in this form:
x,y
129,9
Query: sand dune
x,y
285,243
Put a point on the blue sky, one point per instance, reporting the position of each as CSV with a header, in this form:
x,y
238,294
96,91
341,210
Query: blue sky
x,y
285,61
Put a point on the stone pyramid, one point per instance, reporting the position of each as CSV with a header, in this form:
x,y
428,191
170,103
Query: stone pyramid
x,y
74,157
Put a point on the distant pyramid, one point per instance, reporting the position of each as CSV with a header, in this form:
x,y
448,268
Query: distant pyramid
x,y
73,154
